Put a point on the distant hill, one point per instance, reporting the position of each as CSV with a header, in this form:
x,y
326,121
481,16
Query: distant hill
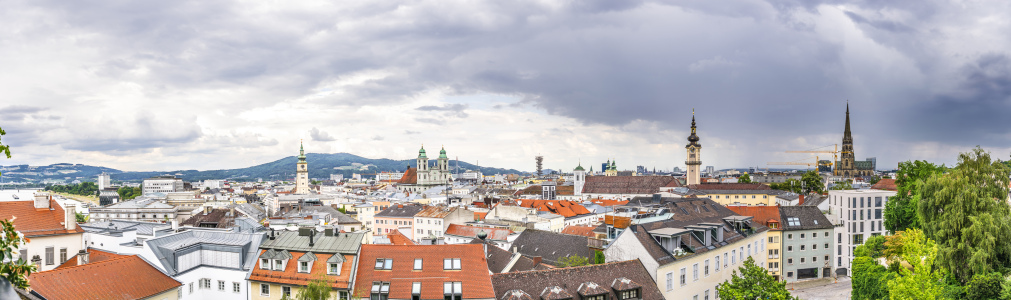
x,y
321,165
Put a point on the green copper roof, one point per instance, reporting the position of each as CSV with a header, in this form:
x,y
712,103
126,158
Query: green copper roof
x,y
442,153
301,152
579,168
421,153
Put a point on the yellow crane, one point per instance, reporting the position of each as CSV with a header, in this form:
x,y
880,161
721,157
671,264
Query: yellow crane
x,y
834,152
796,163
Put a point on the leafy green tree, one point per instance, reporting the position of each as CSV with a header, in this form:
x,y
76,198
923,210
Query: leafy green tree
x,y
870,279
16,272
598,257
900,210
751,281
790,185
573,261
317,289
744,178
920,280
985,286
812,182
4,148
875,179
842,185
80,218
967,213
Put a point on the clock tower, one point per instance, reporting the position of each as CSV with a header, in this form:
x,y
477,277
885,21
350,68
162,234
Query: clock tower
x,y
694,156
301,172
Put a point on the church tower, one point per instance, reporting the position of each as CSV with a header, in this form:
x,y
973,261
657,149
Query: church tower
x,y
694,156
846,166
301,172
423,171
443,164
578,180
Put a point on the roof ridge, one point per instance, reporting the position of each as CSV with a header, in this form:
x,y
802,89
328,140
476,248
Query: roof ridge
x,y
568,268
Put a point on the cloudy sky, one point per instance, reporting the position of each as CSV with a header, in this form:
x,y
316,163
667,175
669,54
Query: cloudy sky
x,y
164,85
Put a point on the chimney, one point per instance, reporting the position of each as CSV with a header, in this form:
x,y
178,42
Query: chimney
x,y
41,201
175,224
207,210
82,257
515,250
311,236
537,260
272,233
70,217
801,202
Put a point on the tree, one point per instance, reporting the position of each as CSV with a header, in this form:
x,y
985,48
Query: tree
x,y
317,289
985,286
842,185
751,281
744,178
919,280
870,279
598,257
80,218
967,213
900,210
812,182
4,148
790,185
573,261
16,272
875,179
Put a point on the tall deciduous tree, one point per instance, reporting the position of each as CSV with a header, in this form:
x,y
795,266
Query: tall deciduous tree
x,y
753,282
920,280
900,210
967,213
744,178
317,289
813,182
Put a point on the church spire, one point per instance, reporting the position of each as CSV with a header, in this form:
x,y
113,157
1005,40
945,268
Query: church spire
x,y
693,139
301,152
846,133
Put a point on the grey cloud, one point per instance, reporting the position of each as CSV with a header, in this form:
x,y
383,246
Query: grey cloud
x,y
456,109
408,132
321,136
378,138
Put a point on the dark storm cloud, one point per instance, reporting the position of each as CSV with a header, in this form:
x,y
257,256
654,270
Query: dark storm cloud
x,y
755,71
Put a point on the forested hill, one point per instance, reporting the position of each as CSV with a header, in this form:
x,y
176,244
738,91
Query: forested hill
x,y
321,165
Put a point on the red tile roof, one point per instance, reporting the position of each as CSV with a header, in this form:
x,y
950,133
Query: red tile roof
x,y
474,274
127,277
94,256
618,221
290,274
565,190
478,216
762,214
586,231
33,222
397,238
410,176
471,231
564,208
626,184
887,184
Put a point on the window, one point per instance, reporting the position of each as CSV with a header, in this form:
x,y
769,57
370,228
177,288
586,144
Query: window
x,y
814,234
789,261
380,290
265,264
205,283
770,239
451,264
334,269
452,290
814,259
278,265
221,285
236,287
789,274
705,269
789,248
303,266
749,251
417,264
24,255
63,255
733,257
706,295
826,257
416,291
285,291
628,294
793,221
802,248
801,260
724,259
826,245
717,263
49,256
384,264
802,236
789,236
684,276
191,287
814,246
695,272
670,281
742,254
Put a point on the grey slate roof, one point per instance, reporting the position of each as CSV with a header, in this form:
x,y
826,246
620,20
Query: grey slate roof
x,y
143,228
401,211
308,256
810,217
334,214
345,243
577,282
551,246
335,259
167,248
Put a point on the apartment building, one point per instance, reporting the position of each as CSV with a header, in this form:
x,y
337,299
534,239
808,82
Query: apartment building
x,y
396,216
53,233
807,243
211,264
288,260
424,272
857,215
433,221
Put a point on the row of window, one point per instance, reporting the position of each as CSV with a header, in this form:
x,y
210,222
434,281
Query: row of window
x,y
205,284
395,222
436,232
803,247
854,216
789,236
50,257
303,266
745,197
447,264
451,290
142,216
789,261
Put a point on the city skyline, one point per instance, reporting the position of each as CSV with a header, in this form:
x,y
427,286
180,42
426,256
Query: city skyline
x,y
230,85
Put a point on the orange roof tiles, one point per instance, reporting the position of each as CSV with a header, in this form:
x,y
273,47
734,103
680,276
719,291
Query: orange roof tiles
x,y
127,277
33,222
764,214
290,274
478,216
564,208
471,231
618,221
397,238
410,176
94,256
887,184
586,231
474,274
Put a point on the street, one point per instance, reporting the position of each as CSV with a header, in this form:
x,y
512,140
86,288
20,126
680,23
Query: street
x,y
822,289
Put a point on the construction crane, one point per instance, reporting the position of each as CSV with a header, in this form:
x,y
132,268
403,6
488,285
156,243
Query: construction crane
x,y
834,152
796,163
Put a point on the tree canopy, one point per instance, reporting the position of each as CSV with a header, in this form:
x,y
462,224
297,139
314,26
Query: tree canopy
x,y
317,289
842,185
967,213
86,188
751,281
900,210
744,178
14,271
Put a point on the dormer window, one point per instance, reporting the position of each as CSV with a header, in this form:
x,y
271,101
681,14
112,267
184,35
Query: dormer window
x,y
384,264
278,265
629,294
334,269
451,264
380,290
417,264
265,264
303,267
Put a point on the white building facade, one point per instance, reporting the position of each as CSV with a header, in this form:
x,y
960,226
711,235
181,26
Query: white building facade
x,y
857,215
